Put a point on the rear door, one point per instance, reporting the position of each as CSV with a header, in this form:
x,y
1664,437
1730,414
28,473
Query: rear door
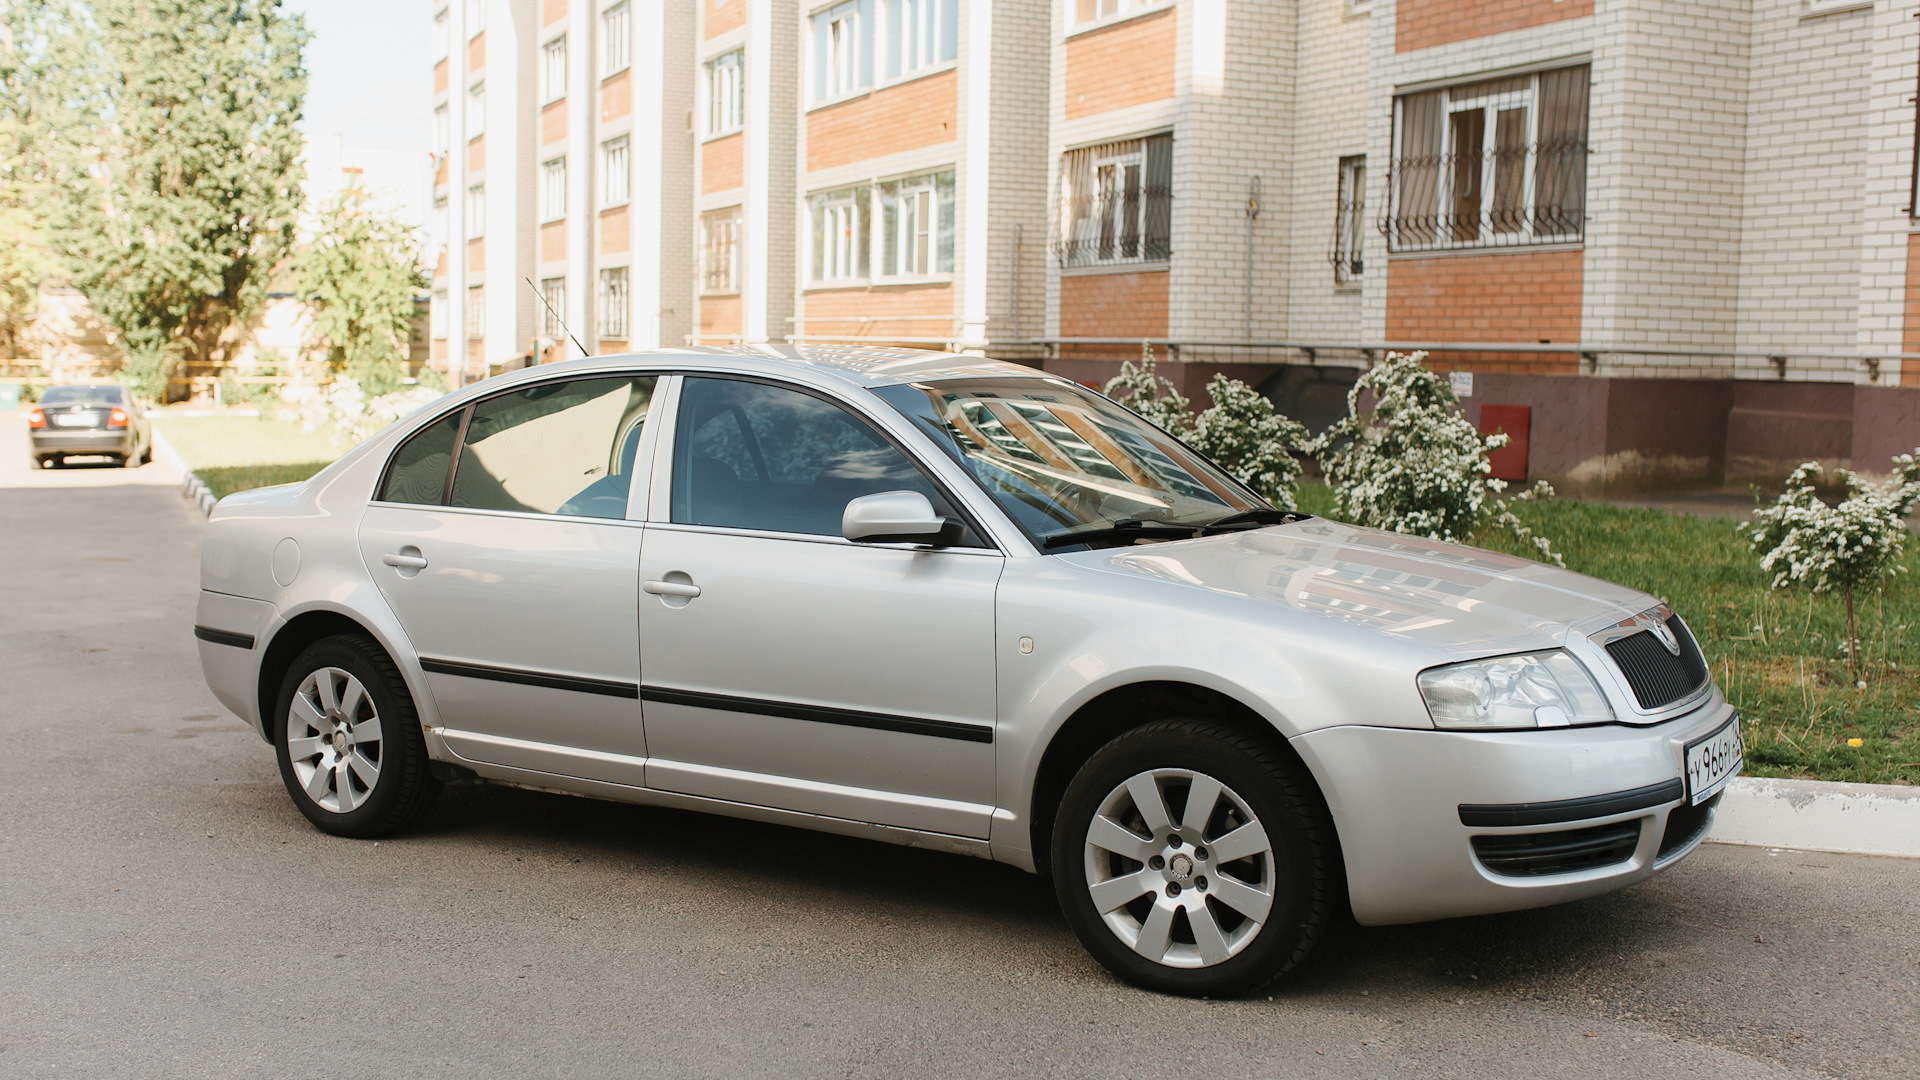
x,y
514,572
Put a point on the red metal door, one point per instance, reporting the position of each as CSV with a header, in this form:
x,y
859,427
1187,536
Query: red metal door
x,y
1510,461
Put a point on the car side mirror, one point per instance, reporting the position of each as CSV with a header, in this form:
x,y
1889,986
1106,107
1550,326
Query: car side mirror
x,y
898,517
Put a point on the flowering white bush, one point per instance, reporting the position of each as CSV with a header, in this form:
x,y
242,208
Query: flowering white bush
x,y
1854,545
1414,464
1240,432
350,415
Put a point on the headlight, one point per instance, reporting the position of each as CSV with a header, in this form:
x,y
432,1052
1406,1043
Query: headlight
x,y
1532,690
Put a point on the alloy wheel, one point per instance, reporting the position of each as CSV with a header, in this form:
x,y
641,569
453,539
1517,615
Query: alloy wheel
x,y
334,740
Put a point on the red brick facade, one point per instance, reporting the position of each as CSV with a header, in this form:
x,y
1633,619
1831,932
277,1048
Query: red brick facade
x,y
1128,63
1421,24
721,164
904,311
1910,337
904,117
1528,297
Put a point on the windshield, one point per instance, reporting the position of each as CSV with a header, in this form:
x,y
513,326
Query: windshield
x,y
1060,459
90,395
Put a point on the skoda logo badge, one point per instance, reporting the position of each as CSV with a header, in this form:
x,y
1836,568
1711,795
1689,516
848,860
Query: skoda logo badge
x,y
1665,635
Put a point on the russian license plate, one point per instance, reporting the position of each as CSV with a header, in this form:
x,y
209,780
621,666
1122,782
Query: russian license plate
x,y
74,420
1713,760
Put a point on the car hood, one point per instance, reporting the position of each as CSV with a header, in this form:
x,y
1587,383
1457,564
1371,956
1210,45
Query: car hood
x,y
1461,601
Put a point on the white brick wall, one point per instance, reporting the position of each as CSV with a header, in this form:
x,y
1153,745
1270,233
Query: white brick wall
x,y
1330,122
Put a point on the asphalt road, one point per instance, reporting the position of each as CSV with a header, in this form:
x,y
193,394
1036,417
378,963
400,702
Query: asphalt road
x,y
164,911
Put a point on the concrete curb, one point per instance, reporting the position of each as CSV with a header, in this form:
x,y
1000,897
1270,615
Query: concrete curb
x,y
1815,815
194,488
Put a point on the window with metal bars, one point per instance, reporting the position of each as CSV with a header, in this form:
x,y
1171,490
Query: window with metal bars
x,y
720,250
1500,163
552,313
1349,221
1116,203
613,303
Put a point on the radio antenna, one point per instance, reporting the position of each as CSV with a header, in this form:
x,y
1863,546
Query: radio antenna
x,y
556,316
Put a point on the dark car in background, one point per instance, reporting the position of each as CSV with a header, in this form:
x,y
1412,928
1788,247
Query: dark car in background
x,y
89,421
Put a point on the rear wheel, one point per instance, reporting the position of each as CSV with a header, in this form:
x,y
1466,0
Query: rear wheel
x,y
1193,859
348,739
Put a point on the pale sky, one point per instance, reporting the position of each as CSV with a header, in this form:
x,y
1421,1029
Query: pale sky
x,y
368,77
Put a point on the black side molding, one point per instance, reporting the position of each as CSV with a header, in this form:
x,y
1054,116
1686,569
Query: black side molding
x,y
1497,815
820,714
223,637
574,683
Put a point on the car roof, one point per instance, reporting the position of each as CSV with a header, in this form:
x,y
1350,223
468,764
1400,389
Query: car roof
x,y
859,365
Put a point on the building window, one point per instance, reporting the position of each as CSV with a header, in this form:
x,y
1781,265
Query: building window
x,y
437,315
842,49
477,110
476,211
553,70
476,312
920,34
1492,164
1091,11
616,31
615,172
476,17
1116,203
440,222
1350,220
839,236
720,250
440,41
916,226
726,93
552,313
442,129
613,303
553,189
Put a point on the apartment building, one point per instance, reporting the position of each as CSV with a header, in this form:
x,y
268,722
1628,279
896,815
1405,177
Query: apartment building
x,y
1670,240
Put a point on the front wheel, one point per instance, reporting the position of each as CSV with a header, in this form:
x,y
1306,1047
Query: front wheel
x,y
1193,859
348,739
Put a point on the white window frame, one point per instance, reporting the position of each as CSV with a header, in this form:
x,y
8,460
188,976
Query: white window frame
x,y
442,128
438,314
1111,204
441,223
1087,14
921,37
841,219
553,189
1349,220
726,89
615,300
442,36
476,18
553,311
477,110
915,207
553,70
616,172
616,38
720,251
842,52
476,211
476,312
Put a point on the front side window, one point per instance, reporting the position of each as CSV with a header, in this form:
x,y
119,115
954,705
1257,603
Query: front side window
x,y
553,189
842,49
1116,203
553,73
476,110
1349,220
921,34
916,226
476,211
1059,458
555,448
720,250
1501,163
616,176
616,30
726,93
748,455
613,303
553,290
839,236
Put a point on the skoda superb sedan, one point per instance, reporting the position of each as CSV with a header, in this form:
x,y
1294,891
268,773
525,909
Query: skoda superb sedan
x,y
954,603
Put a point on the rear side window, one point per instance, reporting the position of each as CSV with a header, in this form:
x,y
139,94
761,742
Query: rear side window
x,y
418,473
556,448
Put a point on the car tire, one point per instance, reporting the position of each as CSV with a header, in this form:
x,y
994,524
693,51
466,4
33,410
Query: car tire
x,y
348,740
1173,913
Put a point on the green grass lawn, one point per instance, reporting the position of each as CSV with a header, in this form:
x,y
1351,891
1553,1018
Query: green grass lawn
x,y
1779,656
235,453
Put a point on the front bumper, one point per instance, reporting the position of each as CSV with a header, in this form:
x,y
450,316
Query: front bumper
x,y
86,441
1397,796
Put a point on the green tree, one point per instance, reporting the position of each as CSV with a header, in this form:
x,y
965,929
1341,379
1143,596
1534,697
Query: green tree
x,y
166,129
25,259
360,271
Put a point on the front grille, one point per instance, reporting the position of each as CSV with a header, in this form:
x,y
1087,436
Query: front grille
x,y
1657,676
1685,824
1534,854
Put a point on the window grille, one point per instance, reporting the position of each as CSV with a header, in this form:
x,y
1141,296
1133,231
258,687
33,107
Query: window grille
x,y
720,250
920,34
839,235
613,303
615,172
726,93
553,189
1116,203
616,32
553,60
1500,163
1349,220
552,313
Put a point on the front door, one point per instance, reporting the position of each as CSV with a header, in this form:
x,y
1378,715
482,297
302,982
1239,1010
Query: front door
x,y
515,575
788,667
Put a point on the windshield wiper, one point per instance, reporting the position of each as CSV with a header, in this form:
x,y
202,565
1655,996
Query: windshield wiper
x,y
1124,529
1254,519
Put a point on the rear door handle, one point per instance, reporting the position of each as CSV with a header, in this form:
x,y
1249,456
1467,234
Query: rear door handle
x,y
670,588
405,562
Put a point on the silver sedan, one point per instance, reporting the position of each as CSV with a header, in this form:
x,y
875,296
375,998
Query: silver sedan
x,y
953,603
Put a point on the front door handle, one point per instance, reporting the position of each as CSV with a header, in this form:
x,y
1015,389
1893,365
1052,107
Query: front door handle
x,y
405,562
671,588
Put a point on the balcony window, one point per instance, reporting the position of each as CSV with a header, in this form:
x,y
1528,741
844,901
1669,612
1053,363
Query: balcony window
x,y
616,35
553,70
916,226
613,303
1086,12
842,49
921,34
477,110
720,251
440,41
437,315
476,17
726,93
839,236
440,223
476,211
616,175
476,312
1350,220
553,189
1501,163
553,313
1116,203
442,130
